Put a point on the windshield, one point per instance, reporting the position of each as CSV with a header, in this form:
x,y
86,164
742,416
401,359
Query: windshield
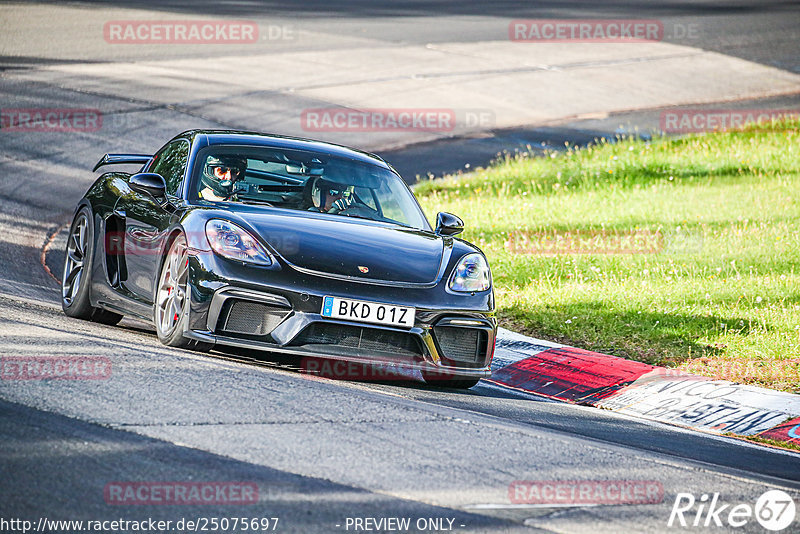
x,y
306,181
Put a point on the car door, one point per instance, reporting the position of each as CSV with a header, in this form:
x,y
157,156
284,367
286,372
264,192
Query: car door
x,y
147,218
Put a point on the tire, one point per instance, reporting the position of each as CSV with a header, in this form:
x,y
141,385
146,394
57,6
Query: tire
x,y
77,276
435,379
170,307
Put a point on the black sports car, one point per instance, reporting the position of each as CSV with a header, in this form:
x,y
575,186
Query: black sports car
x,y
280,244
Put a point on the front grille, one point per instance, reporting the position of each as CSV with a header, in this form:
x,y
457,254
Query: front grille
x,y
361,340
462,345
251,318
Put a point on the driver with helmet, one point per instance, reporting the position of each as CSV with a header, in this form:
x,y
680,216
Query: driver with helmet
x,y
220,173
330,197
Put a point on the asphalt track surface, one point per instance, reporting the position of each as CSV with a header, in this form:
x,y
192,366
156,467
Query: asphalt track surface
x,y
320,451
764,32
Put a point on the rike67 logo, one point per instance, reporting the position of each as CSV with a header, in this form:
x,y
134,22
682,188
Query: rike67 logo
x,y
774,510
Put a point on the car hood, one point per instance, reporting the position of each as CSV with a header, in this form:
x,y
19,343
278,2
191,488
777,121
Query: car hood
x,y
341,246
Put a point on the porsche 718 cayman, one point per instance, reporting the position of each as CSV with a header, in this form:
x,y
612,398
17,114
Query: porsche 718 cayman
x,y
280,244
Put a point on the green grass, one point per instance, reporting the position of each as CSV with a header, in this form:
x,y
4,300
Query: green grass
x,y
774,443
722,291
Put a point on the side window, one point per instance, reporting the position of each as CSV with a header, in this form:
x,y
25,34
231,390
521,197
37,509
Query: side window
x,y
364,194
171,164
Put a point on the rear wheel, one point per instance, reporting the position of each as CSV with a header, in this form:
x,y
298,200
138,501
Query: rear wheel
x,y
436,379
172,298
77,277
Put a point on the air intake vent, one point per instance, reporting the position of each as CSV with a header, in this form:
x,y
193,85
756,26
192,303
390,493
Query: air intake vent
x,y
462,345
252,318
358,340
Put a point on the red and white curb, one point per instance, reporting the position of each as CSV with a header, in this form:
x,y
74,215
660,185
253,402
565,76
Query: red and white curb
x,y
656,393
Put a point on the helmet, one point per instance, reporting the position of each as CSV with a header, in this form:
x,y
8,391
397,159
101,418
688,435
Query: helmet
x,y
220,185
321,188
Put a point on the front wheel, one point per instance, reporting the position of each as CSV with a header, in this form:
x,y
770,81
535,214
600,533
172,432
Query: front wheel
x,y
77,277
172,298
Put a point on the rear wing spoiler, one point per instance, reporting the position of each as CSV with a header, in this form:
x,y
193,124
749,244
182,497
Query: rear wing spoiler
x,y
120,159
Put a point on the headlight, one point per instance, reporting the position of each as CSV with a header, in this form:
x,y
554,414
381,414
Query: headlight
x,y
471,274
234,242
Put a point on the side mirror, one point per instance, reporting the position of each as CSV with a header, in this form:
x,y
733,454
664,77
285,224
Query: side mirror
x,y
149,182
448,224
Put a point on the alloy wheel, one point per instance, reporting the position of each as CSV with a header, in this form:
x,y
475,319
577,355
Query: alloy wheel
x,y
171,297
74,263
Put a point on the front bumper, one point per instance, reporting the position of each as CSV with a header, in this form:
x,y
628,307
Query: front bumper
x,y
226,294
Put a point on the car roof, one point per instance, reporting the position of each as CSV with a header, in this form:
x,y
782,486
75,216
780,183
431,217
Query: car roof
x,y
225,137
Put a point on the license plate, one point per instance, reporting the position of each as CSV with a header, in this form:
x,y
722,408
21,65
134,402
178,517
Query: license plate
x,y
368,312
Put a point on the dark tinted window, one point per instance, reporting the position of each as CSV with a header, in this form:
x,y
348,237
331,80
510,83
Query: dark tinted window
x,y
171,164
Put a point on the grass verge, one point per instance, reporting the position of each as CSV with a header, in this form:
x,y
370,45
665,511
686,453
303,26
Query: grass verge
x,y
773,443
683,252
